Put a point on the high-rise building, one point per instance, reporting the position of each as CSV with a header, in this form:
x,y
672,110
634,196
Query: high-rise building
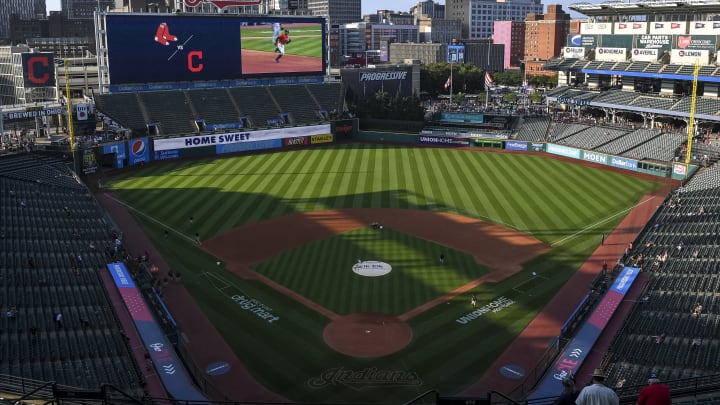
x,y
439,30
479,16
428,8
84,9
24,9
389,17
512,35
338,11
545,37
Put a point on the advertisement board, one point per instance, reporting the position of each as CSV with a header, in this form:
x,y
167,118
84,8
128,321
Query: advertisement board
x,y
456,54
563,151
586,41
443,140
594,157
644,55
704,28
688,57
617,41
183,48
166,154
139,151
118,149
596,28
623,163
238,137
667,27
573,52
708,42
516,145
366,82
248,146
663,42
630,28
610,54
679,171
296,141
323,138
38,69
344,129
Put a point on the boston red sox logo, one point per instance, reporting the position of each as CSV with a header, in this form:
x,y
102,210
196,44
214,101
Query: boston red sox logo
x,y
221,4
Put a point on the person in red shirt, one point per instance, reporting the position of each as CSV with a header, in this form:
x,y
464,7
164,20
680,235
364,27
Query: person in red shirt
x,y
282,40
655,393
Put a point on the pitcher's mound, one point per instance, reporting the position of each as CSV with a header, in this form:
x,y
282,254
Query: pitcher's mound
x,y
367,335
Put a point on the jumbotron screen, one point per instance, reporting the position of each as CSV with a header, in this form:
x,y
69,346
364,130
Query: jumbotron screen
x,y
179,48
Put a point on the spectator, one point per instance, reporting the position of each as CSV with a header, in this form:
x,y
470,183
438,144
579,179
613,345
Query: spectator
x,y
655,393
597,393
570,392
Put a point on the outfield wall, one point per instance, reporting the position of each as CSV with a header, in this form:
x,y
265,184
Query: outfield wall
x,y
139,151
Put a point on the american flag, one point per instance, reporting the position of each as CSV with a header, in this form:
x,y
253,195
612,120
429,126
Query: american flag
x,y
488,80
448,82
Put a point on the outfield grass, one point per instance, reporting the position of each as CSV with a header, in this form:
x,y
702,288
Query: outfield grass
x,y
563,204
332,284
306,40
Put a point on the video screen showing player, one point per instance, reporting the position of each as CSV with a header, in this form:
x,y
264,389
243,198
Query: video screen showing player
x,y
281,47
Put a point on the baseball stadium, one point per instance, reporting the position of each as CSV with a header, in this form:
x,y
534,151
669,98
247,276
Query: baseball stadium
x,y
243,238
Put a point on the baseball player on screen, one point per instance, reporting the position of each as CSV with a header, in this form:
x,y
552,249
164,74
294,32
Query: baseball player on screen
x,y
277,29
282,40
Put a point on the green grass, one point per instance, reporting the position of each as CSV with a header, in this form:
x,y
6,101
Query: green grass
x,y
332,284
306,40
560,203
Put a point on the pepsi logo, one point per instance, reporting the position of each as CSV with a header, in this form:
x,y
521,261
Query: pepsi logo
x,y
138,147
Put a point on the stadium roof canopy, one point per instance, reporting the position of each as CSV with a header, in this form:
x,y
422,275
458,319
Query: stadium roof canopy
x,y
647,7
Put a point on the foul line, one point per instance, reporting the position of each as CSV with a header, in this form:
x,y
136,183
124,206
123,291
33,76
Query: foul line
x,y
600,222
150,218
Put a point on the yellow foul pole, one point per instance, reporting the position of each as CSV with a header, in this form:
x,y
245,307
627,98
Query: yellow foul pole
x,y
693,101
71,129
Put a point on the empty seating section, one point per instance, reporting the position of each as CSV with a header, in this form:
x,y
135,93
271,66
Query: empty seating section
x,y
671,69
327,95
52,244
654,67
256,103
298,102
662,147
706,70
681,257
592,137
561,130
170,110
706,106
533,129
122,108
615,97
214,106
637,66
656,103
625,143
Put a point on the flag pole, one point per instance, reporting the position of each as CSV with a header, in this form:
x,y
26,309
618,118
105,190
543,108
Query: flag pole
x,y
451,80
487,68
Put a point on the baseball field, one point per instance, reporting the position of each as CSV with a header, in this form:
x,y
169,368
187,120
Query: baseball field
x,y
344,274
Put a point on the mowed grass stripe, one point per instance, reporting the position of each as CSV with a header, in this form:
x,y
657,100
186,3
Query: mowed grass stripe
x,y
455,171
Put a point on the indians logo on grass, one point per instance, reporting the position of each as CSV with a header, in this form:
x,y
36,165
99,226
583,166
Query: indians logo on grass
x,y
221,4
370,377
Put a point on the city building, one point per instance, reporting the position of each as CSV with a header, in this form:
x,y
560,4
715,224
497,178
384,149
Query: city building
x,y
23,9
389,17
337,11
512,35
55,26
426,53
84,9
478,16
429,9
438,30
485,54
545,37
